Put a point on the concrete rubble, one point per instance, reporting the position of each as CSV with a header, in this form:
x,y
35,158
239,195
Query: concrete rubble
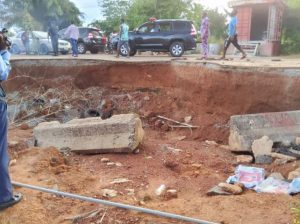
x,y
279,127
120,133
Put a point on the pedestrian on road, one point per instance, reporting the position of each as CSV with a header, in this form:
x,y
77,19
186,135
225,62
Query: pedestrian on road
x,y
72,33
204,30
53,34
232,35
124,38
25,41
7,198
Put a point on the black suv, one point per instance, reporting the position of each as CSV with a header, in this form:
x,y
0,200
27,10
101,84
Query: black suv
x,y
174,36
90,39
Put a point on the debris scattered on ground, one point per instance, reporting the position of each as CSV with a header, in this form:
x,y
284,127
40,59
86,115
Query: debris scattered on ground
x,y
120,181
77,218
273,185
244,159
231,188
294,174
161,190
277,176
262,149
109,193
105,160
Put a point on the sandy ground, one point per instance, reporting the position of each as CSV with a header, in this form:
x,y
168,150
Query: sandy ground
x,y
192,170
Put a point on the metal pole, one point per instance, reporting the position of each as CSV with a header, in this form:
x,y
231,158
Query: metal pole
x,y
114,204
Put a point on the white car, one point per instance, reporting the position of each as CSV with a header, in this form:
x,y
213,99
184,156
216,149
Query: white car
x,y
38,44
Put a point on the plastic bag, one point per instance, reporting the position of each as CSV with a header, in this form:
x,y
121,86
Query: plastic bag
x,y
273,185
249,176
294,187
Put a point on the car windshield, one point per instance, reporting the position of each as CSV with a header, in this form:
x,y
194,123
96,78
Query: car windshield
x,y
40,34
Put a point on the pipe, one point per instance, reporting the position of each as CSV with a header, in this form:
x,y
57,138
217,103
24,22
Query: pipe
x,y
114,204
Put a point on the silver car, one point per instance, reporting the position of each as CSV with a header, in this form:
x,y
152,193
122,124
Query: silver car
x,y
38,44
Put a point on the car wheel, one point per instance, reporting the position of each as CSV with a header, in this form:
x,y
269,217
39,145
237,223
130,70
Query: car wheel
x,y
177,49
43,49
81,48
123,50
15,49
133,52
64,52
94,51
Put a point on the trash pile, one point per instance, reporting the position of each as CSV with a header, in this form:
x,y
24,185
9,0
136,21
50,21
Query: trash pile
x,y
254,178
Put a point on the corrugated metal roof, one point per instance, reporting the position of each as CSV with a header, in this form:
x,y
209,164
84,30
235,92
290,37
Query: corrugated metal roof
x,y
235,3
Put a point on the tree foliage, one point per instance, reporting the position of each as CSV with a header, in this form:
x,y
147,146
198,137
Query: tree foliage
x,y
137,12
35,14
291,28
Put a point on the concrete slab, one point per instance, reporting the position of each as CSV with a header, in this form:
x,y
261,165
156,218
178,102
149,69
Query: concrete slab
x,y
120,133
278,126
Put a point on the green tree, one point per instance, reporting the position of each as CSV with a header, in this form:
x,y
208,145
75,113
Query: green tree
x,y
35,14
291,28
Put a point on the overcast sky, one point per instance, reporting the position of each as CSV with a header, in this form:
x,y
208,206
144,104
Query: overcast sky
x,y
92,12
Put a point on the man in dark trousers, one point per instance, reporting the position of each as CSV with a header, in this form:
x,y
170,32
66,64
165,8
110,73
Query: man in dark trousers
x,y
53,34
7,198
232,35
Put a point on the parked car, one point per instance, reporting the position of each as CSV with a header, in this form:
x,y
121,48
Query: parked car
x,y
39,44
174,36
90,39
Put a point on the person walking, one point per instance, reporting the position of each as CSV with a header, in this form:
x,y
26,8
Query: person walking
x,y
7,198
25,41
232,35
53,34
72,33
204,30
124,38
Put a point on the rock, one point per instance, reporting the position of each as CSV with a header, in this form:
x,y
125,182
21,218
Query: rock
x,y
294,174
137,151
13,144
171,193
130,191
211,143
277,176
188,119
262,146
109,193
171,164
161,190
244,159
263,159
146,98
216,190
24,126
283,157
119,164
280,162
230,188
110,164
225,147
105,160
120,133
197,165
120,181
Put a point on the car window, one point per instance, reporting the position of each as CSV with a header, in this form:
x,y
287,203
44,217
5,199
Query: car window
x,y
146,28
40,34
180,26
165,27
82,32
96,33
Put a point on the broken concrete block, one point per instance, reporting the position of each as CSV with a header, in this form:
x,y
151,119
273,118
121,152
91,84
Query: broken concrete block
x,y
244,159
279,127
262,146
277,176
120,133
297,141
263,159
216,190
294,174
109,193
283,157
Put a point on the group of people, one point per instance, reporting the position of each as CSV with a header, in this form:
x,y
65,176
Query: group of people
x,y
231,32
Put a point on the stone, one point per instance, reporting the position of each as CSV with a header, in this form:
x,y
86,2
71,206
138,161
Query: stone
x,y
13,144
111,164
216,190
283,157
119,164
262,146
197,165
294,174
263,159
280,162
230,188
24,126
120,133
105,160
161,190
109,193
130,191
277,176
120,181
13,162
211,143
146,98
244,159
188,119
278,126
171,193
